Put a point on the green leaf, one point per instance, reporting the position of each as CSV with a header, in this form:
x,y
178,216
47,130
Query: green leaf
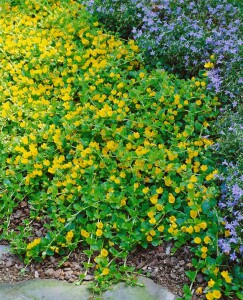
x,y
206,206
49,252
239,295
6,182
77,207
186,289
238,272
191,275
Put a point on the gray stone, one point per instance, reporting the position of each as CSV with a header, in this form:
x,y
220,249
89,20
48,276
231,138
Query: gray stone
x,y
151,291
49,272
52,289
88,277
9,262
4,250
43,289
200,278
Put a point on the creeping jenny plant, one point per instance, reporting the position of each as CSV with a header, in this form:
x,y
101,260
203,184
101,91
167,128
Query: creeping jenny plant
x,y
113,155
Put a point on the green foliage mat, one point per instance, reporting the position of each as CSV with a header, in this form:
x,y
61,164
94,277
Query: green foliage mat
x,y
113,155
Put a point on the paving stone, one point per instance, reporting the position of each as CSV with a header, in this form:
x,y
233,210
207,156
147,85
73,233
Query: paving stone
x,y
4,250
151,291
52,289
43,289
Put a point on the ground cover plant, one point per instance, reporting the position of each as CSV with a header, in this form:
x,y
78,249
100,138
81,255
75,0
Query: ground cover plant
x,y
230,149
181,35
115,155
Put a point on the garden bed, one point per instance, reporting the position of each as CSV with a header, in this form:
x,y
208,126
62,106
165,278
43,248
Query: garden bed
x,y
102,156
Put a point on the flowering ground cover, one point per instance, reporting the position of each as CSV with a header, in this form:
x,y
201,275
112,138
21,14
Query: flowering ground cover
x,y
181,35
115,155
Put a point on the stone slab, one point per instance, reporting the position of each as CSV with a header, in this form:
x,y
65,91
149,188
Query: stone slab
x,y
52,289
4,250
43,289
151,291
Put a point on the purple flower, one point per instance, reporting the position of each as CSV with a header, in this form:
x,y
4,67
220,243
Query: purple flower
x,y
181,29
233,256
237,191
224,246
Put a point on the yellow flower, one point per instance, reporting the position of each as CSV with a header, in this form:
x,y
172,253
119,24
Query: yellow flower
x,y
84,233
215,271
152,221
150,214
209,296
225,275
209,177
159,207
217,294
171,198
193,214
190,186
149,238
99,232
120,85
105,271
145,190
117,181
177,99
190,229
171,230
204,168
227,233
207,240
136,135
34,243
199,290
123,202
24,160
99,225
159,190
69,236
197,240
152,232
154,199
208,65
204,249
104,252
203,225
168,181
172,219
25,140
61,220
161,228
211,283
122,174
